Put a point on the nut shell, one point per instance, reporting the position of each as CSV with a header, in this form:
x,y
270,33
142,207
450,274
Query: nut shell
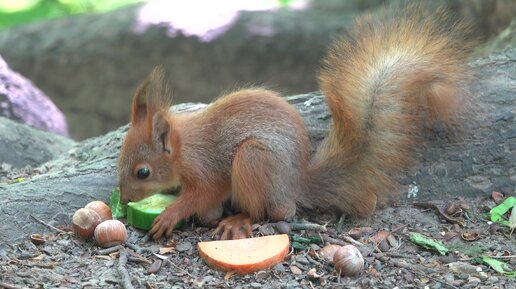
x,y
84,222
348,260
101,208
328,251
110,233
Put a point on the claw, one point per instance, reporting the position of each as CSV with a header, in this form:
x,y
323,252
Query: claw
x,y
234,227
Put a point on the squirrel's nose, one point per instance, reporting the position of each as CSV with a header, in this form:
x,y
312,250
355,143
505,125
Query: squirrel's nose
x,y
124,198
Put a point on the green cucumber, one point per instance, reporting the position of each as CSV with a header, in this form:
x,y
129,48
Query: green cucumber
x,y
118,211
141,214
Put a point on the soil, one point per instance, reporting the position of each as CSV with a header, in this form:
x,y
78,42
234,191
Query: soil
x,y
65,261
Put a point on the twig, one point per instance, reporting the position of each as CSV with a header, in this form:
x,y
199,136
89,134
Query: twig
x,y
48,225
331,240
9,286
122,270
145,238
439,280
441,212
308,226
352,241
179,268
138,249
109,250
311,260
138,260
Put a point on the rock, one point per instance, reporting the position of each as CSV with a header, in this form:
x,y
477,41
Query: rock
x,y
21,145
22,101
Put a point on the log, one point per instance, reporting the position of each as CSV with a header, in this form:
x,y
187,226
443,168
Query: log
x,y
478,161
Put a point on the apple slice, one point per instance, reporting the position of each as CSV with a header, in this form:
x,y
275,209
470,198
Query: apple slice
x,y
245,255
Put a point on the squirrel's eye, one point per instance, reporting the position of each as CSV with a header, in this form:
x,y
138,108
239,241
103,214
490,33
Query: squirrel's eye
x,y
143,173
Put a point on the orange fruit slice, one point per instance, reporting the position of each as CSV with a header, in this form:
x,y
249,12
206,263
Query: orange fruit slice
x,y
245,255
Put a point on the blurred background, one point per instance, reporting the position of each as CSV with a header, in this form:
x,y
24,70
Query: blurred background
x,y
88,56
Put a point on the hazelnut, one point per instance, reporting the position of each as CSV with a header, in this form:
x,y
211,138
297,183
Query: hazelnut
x,y
84,222
348,260
328,251
101,208
110,233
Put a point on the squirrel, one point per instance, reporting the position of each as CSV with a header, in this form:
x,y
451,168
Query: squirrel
x,y
384,80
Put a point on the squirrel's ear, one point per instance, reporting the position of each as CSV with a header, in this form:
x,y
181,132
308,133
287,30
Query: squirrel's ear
x,y
161,132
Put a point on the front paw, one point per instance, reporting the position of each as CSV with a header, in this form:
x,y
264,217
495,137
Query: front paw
x,y
163,224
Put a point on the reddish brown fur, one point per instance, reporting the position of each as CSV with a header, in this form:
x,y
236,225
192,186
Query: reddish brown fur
x,y
251,148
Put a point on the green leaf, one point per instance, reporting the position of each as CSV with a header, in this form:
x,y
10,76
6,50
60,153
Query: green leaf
x,y
499,266
118,210
428,243
301,243
498,211
512,219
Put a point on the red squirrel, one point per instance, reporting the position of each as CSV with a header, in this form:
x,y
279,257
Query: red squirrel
x,y
383,80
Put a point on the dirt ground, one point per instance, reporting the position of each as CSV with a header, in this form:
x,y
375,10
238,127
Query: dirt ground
x,y
64,261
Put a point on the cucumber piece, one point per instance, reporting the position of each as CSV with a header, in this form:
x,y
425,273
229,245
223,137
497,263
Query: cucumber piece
x,y
141,214
118,210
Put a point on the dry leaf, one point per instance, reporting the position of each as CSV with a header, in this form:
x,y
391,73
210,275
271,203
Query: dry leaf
x,y
456,207
154,267
380,240
497,197
312,274
228,275
470,236
360,232
166,250
37,239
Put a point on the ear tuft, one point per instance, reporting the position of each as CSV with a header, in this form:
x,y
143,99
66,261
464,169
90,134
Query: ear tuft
x,y
151,96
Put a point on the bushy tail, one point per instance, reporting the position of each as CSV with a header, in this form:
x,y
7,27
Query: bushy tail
x,y
387,77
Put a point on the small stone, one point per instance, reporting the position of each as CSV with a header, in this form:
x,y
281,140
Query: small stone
x,y
378,266
315,247
473,279
279,268
184,246
207,279
463,276
302,259
295,270
292,284
448,277
262,274
256,285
